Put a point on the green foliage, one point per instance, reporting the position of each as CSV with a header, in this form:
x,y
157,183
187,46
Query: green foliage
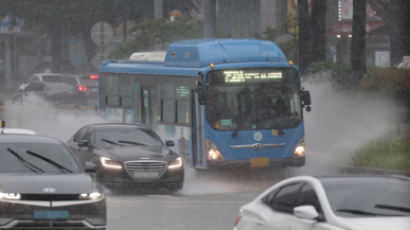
x,y
389,82
157,34
286,37
386,154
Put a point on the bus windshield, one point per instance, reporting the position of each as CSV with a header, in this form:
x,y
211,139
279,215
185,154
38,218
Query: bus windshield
x,y
253,99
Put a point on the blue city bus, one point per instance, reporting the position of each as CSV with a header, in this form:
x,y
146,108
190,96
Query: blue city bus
x,y
222,101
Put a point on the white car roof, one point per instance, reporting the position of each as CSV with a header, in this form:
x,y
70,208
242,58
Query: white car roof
x,y
17,131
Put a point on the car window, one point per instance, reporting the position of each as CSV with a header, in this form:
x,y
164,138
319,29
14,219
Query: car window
x,y
80,133
286,198
87,135
308,196
16,158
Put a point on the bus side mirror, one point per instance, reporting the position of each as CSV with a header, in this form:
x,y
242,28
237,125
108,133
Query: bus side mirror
x,y
306,100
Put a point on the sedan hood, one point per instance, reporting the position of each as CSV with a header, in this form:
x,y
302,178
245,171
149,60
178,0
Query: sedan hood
x,y
40,183
128,153
379,223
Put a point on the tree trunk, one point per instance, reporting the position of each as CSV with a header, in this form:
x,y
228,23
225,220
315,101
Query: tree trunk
x,y
358,46
319,30
209,14
55,49
305,36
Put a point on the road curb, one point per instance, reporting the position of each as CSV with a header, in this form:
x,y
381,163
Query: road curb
x,y
372,171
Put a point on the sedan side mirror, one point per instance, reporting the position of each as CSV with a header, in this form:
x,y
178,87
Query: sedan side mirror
x,y
306,212
90,167
169,143
83,143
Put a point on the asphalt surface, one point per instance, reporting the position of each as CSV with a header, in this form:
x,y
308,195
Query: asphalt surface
x,y
207,201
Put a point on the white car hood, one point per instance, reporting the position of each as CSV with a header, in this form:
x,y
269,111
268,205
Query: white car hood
x,y
379,223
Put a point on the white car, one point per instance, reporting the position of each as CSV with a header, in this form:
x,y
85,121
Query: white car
x,y
17,131
345,203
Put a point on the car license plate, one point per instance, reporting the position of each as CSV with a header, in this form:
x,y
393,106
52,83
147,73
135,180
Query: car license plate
x,y
259,162
51,215
146,175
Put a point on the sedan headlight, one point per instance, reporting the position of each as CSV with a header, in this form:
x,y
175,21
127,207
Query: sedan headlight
x,y
111,164
91,196
175,164
10,196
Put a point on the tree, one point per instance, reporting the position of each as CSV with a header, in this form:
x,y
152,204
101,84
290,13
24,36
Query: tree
x,y
305,36
209,18
319,30
396,15
60,19
358,46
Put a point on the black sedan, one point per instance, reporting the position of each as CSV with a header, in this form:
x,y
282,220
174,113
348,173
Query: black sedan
x,y
128,155
43,186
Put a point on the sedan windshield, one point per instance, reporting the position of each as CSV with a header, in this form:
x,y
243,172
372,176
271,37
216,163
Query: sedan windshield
x,y
106,137
373,197
37,158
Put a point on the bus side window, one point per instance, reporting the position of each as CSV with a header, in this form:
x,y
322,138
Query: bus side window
x,y
167,103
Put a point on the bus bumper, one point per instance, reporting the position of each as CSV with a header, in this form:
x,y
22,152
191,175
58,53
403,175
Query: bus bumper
x,y
273,163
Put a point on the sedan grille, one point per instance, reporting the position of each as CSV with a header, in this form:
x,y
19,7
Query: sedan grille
x,y
145,170
50,197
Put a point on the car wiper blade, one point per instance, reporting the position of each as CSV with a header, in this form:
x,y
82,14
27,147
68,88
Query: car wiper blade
x,y
55,164
130,142
391,207
110,141
361,212
26,164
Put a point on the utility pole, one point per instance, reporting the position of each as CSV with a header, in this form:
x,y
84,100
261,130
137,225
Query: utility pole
x,y
9,67
209,17
158,9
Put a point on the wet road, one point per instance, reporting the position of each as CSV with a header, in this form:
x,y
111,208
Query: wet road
x,y
208,201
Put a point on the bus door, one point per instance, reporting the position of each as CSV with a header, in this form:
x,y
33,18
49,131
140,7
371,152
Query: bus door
x,y
198,159
146,105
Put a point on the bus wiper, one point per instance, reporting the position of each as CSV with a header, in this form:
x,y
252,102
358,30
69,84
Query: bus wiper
x,y
361,212
26,164
391,207
130,142
55,164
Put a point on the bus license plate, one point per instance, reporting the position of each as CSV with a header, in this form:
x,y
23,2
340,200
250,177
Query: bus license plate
x,y
51,215
259,162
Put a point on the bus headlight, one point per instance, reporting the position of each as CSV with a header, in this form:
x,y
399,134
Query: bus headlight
x,y
177,163
10,196
110,164
212,152
300,148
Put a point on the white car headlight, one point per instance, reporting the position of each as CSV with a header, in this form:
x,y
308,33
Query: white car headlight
x,y
10,196
91,196
175,164
111,164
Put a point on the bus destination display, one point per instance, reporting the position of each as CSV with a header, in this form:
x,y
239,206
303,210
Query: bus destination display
x,y
241,76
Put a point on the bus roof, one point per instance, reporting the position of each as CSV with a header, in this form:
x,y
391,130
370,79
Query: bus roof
x,y
193,55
